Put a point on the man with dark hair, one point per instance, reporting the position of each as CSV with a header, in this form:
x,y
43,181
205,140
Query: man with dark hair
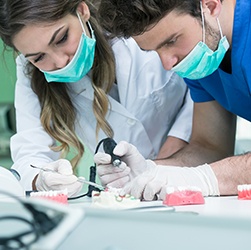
x,y
207,43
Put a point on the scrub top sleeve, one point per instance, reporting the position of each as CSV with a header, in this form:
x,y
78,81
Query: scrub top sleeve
x,y
198,93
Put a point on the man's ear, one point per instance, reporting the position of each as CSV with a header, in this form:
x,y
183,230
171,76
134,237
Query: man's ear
x,y
212,7
83,11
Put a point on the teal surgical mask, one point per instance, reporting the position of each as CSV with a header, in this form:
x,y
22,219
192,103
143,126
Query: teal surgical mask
x,y
80,64
202,61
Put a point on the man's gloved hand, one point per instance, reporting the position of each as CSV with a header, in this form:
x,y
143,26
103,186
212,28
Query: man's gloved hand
x,y
133,164
155,181
63,178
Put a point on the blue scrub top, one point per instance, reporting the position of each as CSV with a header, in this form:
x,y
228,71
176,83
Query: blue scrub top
x,y
232,91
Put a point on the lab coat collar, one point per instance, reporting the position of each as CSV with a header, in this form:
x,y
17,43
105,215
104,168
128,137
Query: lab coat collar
x,y
84,88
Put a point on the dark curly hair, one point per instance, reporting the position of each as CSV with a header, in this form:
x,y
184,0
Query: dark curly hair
x,y
133,17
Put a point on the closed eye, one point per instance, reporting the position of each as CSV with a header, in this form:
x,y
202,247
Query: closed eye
x,y
172,41
39,58
169,41
64,38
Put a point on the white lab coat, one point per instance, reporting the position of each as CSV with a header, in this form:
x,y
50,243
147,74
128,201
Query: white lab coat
x,y
147,104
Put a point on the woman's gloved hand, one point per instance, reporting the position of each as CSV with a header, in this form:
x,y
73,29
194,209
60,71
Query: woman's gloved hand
x,y
62,178
133,164
154,182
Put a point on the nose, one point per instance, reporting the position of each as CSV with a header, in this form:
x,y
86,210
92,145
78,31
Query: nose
x,y
168,60
60,60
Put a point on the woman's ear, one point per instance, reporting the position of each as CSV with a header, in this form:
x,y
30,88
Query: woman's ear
x,y
83,11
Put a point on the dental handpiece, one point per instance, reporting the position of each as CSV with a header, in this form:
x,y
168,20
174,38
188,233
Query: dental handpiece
x,y
108,145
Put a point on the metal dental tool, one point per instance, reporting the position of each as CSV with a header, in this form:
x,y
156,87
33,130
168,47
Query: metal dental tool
x,y
80,179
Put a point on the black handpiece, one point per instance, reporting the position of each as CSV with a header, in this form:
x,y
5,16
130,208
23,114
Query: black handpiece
x,y
108,145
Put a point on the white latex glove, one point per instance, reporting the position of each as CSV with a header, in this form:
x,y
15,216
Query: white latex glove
x,y
62,179
155,181
133,164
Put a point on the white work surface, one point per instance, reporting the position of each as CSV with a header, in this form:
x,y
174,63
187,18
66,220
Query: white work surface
x,y
228,206
221,223
224,206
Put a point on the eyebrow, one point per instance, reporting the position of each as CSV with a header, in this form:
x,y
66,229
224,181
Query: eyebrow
x,y
50,42
161,44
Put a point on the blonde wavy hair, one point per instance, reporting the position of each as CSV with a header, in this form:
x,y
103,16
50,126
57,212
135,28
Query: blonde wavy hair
x,y
57,116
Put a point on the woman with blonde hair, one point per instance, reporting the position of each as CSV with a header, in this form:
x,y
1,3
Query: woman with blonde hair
x,y
75,87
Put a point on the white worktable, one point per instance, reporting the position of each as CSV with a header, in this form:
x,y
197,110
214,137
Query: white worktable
x,y
224,206
228,206
221,223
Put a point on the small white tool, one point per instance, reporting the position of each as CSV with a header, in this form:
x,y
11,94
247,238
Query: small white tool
x,y
80,179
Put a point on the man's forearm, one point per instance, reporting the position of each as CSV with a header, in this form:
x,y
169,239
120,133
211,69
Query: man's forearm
x,y
231,172
193,155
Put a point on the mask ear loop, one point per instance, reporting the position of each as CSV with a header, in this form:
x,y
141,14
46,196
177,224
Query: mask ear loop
x,y
81,23
91,30
203,24
218,22
83,28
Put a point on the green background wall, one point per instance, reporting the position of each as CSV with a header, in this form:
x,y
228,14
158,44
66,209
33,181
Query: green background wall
x,y
7,86
7,75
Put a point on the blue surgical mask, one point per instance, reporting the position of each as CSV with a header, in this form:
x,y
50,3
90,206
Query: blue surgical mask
x,y
80,64
202,61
